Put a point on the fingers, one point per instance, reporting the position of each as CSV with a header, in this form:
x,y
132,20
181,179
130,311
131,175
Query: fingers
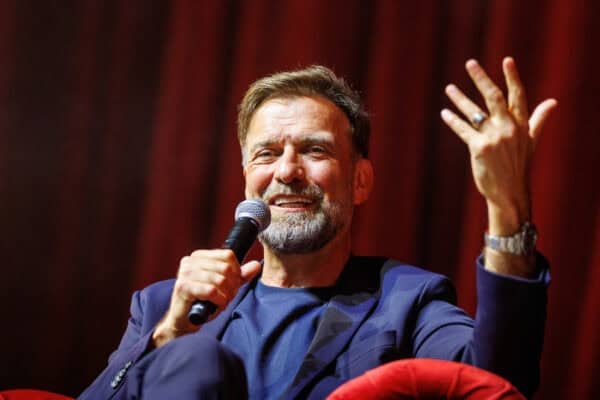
x,y
517,101
462,102
249,270
492,95
187,293
539,117
209,275
501,111
459,126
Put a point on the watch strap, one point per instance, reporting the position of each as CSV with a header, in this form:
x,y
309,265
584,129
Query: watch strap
x,y
521,243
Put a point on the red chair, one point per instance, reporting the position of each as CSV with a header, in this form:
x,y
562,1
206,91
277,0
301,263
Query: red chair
x,y
398,380
426,379
31,394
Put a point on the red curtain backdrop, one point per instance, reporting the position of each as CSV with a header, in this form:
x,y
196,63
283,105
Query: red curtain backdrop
x,y
118,154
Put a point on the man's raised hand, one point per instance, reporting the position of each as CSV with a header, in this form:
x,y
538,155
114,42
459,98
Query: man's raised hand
x,y
501,139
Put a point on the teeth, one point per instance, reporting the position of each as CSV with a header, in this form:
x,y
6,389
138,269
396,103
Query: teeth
x,y
292,200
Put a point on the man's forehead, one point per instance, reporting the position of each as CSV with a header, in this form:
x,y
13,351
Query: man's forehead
x,y
297,115
310,102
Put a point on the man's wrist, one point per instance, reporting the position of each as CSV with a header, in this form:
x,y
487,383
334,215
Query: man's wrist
x,y
164,333
161,336
505,220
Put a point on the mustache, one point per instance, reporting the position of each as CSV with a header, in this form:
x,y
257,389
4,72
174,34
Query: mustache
x,y
276,189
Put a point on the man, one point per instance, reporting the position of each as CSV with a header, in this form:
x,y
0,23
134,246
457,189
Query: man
x,y
312,315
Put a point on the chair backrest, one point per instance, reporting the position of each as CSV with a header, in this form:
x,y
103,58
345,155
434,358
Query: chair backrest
x,y
427,379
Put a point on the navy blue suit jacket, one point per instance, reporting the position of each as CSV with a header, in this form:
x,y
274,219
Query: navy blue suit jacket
x,y
383,310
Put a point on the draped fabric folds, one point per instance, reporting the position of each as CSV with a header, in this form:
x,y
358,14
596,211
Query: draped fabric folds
x,y
118,154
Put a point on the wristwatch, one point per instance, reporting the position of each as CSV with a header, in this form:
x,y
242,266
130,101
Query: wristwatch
x,y
520,244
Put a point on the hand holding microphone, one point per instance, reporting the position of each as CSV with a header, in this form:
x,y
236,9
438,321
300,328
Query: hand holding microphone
x,y
251,217
214,276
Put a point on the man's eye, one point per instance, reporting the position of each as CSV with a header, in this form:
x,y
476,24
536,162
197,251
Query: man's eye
x,y
264,154
316,149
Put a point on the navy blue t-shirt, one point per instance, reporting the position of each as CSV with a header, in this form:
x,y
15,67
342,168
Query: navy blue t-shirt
x,y
271,329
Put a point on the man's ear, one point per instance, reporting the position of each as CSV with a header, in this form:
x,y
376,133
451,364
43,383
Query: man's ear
x,y
363,180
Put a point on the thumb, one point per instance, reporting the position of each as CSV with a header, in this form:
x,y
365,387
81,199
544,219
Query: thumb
x,y
539,116
250,269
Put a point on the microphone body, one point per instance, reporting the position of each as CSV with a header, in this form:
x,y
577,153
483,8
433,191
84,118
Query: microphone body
x,y
251,217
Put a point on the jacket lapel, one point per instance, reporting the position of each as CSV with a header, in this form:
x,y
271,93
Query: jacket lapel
x,y
358,288
216,327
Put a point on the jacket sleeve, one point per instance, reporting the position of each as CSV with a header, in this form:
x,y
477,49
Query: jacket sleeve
x,y
507,334
134,344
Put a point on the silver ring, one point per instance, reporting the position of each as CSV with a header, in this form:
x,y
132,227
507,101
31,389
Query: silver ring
x,y
477,119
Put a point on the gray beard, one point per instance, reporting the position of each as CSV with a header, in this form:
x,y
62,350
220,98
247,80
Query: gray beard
x,y
302,233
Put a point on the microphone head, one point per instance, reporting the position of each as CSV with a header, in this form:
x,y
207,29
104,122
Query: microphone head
x,y
256,210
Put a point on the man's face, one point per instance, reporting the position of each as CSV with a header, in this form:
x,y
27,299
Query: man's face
x,y
298,159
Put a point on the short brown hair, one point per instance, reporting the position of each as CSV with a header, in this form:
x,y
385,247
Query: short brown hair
x,y
315,80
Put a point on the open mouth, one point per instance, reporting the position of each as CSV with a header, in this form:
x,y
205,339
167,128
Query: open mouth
x,y
292,202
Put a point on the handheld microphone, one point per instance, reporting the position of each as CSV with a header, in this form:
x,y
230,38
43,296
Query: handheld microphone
x,y
251,218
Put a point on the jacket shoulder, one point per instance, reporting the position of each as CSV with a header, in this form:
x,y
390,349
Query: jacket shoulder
x,y
380,268
388,275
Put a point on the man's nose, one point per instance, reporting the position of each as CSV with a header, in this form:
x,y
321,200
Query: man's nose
x,y
289,168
